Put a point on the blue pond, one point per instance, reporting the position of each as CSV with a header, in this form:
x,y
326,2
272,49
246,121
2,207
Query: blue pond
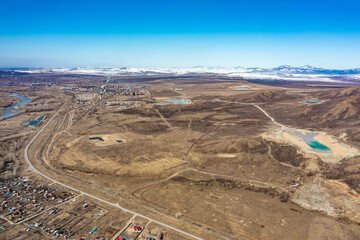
x,y
96,138
243,88
312,101
33,123
183,101
119,141
12,111
318,146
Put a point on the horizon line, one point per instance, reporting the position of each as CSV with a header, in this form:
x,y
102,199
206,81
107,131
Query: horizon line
x,y
173,67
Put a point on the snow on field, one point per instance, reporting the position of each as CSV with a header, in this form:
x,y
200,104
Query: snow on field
x,y
285,72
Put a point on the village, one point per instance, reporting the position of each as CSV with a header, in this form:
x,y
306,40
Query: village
x,y
51,211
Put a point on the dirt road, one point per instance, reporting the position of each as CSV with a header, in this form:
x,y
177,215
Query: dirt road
x,y
272,119
33,169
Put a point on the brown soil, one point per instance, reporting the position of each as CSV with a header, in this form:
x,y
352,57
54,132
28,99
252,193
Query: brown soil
x,y
207,166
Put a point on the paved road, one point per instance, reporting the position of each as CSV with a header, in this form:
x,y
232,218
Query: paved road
x,y
33,169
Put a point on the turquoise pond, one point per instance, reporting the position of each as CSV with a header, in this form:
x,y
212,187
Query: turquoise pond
x,y
33,123
243,88
96,138
312,101
183,101
318,146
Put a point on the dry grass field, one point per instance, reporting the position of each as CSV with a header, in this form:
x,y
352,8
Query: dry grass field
x,y
219,164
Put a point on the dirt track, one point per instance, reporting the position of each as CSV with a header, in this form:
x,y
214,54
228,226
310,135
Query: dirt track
x,y
33,169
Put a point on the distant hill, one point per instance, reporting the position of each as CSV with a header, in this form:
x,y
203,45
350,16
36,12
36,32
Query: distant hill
x,y
340,108
339,93
264,96
308,70
284,72
341,104
269,96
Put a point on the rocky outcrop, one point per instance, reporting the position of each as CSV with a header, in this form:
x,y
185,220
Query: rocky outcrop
x,y
330,196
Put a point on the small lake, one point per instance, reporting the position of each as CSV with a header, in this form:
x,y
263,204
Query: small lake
x,y
312,101
96,138
183,101
243,88
34,121
41,118
12,110
308,137
318,146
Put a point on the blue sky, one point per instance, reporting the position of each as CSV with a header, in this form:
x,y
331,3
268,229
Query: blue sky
x,y
179,33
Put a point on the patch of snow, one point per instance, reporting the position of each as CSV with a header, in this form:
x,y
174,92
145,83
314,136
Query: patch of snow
x,y
284,72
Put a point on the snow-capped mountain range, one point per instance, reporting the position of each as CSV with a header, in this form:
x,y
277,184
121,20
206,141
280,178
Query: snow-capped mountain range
x,y
284,72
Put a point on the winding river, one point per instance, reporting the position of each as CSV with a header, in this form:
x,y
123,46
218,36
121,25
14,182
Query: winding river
x,y
13,110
